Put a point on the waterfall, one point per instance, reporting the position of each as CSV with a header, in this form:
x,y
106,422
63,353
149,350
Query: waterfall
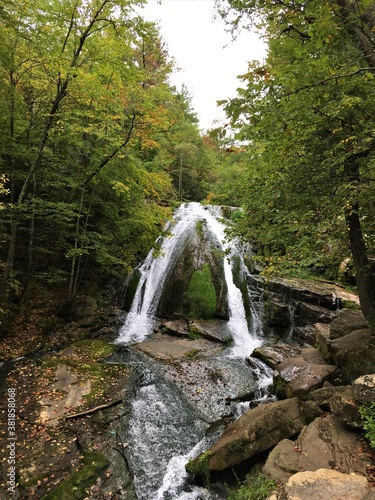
x,y
165,430
155,271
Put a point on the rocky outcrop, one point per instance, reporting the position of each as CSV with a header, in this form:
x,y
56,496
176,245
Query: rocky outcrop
x,y
276,354
323,484
300,375
258,430
324,443
293,306
200,248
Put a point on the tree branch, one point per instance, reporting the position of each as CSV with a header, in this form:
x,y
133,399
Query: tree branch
x,y
93,410
322,82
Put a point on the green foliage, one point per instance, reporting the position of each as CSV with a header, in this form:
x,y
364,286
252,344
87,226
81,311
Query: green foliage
x,y
200,466
255,487
92,143
309,163
368,421
202,294
75,488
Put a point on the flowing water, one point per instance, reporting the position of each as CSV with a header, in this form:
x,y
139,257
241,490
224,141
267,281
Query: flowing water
x,y
165,430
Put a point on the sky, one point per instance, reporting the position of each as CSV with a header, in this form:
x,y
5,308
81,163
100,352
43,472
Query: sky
x,y
208,59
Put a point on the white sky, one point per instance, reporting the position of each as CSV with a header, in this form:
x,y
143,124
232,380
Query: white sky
x,y
208,59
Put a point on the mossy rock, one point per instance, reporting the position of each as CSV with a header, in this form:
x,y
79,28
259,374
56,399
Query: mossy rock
x,y
77,486
202,294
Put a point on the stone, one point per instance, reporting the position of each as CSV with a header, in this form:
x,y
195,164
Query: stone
x,y
282,462
176,327
322,397
364,389
175,349
346,322
354,354
344,406
324,443
297,377
258,430
321,337
324,484
276,354
214,329
328,443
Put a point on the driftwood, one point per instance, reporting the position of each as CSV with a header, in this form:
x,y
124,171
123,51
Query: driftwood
x,y
93,410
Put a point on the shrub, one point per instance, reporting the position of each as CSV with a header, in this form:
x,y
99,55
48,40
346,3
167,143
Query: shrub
x,y
255,487
202,294
368,421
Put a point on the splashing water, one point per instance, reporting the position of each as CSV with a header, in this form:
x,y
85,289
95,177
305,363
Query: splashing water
x,y
155,271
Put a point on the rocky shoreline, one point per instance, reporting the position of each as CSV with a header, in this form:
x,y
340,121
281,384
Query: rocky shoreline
x,y
315,378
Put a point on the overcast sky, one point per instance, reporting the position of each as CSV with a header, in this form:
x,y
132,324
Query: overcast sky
x,y
208,58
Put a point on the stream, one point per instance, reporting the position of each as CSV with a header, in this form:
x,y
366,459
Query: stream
x,y
172,422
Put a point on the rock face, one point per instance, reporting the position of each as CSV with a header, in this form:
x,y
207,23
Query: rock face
x,y
258,430
323,484
325,443
293,306
201,248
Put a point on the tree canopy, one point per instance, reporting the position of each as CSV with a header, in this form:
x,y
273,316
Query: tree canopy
x,y
305,114
90,141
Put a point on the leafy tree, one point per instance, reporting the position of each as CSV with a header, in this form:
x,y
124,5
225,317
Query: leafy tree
x,y
306,114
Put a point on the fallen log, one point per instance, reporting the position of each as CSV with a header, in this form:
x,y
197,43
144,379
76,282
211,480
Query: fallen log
x,y
93,410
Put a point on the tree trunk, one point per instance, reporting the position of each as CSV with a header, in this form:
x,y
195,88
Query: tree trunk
x,y
365,270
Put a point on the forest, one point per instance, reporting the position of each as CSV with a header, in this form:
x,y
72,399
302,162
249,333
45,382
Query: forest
x,y
97,147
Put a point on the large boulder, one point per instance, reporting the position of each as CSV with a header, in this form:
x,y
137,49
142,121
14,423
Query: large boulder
x,y
324,443
274,355
364,389
354,354
257,430
346,322
323,484
301,375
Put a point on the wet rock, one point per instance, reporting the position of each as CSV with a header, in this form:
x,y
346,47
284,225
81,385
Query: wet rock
x,y
274,355
323,484
176,349
258,430
216,330
298,377
212,385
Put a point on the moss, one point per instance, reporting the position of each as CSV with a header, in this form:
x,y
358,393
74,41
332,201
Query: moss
x,y
192,353
76,487
201,466
202,294
95,349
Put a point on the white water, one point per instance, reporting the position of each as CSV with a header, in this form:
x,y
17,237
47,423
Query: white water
x,y
163,433
154,272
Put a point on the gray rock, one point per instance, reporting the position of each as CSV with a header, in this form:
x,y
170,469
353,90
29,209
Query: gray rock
x,y
276,354
353,354
282,462
325,443
364,389
214,329
297,377
347,321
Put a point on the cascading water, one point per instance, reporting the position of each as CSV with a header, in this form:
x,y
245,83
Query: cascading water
x,y
164,430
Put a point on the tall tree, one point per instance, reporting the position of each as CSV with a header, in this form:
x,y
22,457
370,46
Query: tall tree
x,y
307,112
